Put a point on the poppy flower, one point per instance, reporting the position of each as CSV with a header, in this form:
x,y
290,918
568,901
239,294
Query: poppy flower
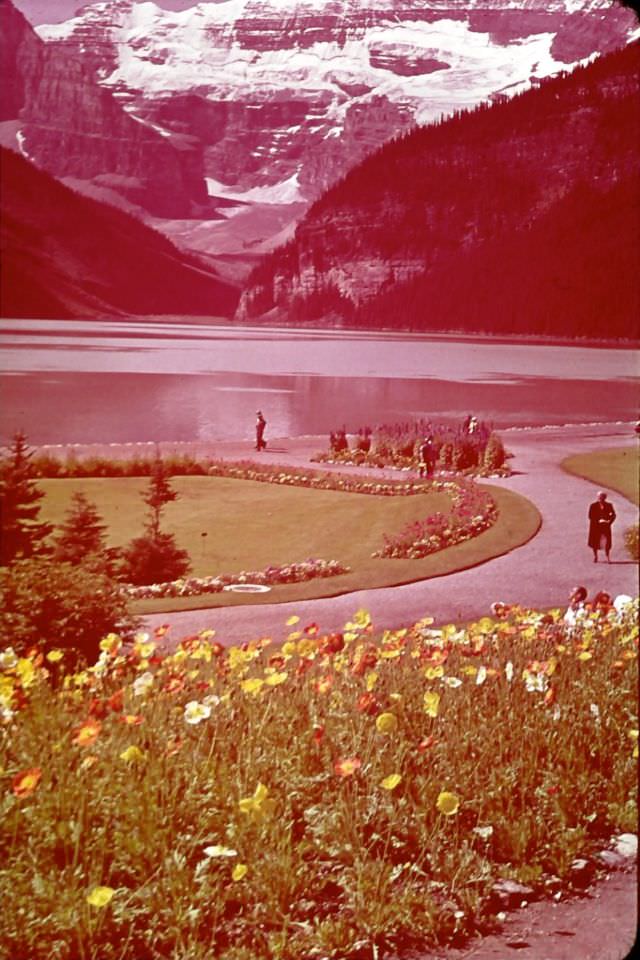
x,y
391,782
88,733
100,896
386,723
368,704
447,803
347,766
431,703
25,782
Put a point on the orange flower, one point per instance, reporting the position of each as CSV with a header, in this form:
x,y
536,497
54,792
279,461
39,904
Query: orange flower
x,y
116,701
347,766
324,684
26,782
132,719
88,733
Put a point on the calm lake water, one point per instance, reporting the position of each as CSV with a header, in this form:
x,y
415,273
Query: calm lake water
x,y
104,381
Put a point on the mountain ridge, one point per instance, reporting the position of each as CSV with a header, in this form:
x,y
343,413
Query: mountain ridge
x,y
398,240
65,255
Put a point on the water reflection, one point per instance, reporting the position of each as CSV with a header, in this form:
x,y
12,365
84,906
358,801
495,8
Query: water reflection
x,y
65,382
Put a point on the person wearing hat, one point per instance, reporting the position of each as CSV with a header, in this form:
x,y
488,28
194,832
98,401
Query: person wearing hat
x,y
261,423
601,517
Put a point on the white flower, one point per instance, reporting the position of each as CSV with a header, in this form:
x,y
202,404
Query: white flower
x,y
508,670
195,712
452,681
484,832
217,851
8,659
556,712
621,603
481,675
594,710
212,700
142,684
535,682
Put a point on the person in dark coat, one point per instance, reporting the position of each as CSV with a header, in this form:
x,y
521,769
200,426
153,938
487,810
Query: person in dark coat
x,y
427,457
601,517
261,423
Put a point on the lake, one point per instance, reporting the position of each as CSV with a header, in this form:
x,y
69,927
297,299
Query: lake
x,y
120,381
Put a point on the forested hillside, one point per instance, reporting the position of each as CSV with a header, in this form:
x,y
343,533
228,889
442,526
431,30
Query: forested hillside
x,y
522,216
65,255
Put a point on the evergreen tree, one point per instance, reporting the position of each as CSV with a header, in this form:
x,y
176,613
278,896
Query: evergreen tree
x,y
22,534
155,557
82,534
158,494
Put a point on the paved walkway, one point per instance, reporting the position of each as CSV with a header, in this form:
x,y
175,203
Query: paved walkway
x,y
539,574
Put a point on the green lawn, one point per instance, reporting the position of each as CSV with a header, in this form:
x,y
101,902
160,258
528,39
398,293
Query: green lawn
x,y
616,469
250,525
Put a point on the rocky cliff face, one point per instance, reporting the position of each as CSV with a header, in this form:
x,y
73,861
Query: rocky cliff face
x,y
292,92
453,201
73,127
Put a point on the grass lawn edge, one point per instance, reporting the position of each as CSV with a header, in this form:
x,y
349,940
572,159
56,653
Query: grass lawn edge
x,y
443,562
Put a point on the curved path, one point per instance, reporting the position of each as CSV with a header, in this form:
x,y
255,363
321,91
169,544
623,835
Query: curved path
x,y
539,574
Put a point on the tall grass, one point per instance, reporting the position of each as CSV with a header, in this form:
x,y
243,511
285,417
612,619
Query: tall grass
x,y
343,793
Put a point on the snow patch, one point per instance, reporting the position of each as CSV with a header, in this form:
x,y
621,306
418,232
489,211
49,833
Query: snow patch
x,y
285,192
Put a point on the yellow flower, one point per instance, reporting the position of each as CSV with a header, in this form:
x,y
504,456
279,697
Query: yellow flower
x,y
447,803
307,646
291,622
585,655
259,804
111,643
26,671
55,655
432,673
390,653
253,685
239,871
386,723
370,680
288,648
431,703
132,754
275,679
391,782
100,896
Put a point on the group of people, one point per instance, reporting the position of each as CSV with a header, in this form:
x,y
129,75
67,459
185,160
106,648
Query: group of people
x,y
601,512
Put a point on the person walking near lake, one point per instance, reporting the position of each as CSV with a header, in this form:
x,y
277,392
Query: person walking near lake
x,y
261,423
601,517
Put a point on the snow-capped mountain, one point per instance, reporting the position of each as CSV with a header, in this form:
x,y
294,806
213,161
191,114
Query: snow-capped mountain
x,y
285,95
262,104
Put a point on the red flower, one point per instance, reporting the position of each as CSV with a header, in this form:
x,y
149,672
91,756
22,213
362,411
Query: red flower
x,y
334,643
368,704
318,733
116,701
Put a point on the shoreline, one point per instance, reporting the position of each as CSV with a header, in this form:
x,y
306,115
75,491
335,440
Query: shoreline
x,y
463,336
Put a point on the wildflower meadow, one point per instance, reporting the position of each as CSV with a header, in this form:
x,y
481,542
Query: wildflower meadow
x,y
340,795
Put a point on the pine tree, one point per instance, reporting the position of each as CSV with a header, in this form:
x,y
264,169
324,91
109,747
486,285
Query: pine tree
x,y
83,532
157,495
155,557
22,534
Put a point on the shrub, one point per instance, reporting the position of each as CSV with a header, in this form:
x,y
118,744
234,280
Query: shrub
x,y
631,542
338,441
153,558
494,453
51,604
445,459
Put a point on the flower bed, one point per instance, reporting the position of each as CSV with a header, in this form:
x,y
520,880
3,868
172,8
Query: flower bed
x,y
473,510
342,795
194,586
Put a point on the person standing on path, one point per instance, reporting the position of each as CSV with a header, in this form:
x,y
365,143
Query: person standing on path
x,y
427,457
261,423
601,517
